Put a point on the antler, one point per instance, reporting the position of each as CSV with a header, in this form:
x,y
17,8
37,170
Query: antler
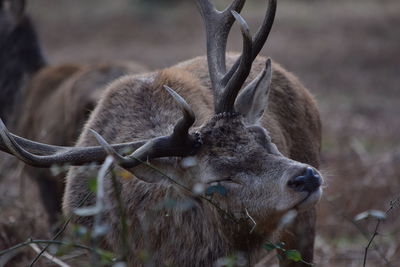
x,y
179,144
165,146
227,84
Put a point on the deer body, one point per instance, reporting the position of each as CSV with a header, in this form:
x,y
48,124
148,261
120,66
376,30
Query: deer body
x,y
139,108
251,130
69,93
48,103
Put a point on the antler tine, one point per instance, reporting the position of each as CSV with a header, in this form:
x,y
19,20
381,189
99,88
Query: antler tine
x,y
12,146
265,28
227,100
235,6
108,148
29,145
182,127
227,84
9,142
48,155
218,25
35,160
259,39
179,144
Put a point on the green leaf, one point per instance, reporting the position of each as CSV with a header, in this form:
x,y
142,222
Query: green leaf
x,y
106,256
144,256
216,189
269,246
93,185
293,255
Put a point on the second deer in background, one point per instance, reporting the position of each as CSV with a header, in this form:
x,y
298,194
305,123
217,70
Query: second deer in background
x,y
44,102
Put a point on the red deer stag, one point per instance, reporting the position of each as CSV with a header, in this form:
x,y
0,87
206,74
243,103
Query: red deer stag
x,y
260,144
55,100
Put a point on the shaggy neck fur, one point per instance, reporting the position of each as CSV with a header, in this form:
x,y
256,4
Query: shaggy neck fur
x,y
176,228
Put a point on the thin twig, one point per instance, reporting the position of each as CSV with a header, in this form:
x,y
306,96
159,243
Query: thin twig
x,y
252,220
73,255
49,256
361,229
100,204
121,210
61,231
393,205
370,241
48,242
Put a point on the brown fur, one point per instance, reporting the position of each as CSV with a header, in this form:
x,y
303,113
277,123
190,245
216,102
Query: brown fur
x,y
58,100
46,103
137,107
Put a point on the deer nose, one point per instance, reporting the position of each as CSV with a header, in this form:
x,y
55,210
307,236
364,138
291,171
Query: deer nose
x,y
309,181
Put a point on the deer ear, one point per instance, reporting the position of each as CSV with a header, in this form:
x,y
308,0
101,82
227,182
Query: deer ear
x,y
253,99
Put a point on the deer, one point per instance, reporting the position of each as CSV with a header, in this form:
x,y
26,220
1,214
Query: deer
x,y
32,87
20,53
240,122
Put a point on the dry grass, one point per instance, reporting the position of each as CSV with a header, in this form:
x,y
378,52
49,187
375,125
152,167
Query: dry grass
x,y
346,52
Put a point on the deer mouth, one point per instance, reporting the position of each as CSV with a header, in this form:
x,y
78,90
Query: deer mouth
x,y
309,201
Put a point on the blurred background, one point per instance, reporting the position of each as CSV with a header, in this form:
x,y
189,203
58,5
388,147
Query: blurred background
x,y
347,52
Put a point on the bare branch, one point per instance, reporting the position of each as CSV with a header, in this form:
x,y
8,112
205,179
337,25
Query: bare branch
x,y
47,242
252,220
370,241
50,257
61,231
